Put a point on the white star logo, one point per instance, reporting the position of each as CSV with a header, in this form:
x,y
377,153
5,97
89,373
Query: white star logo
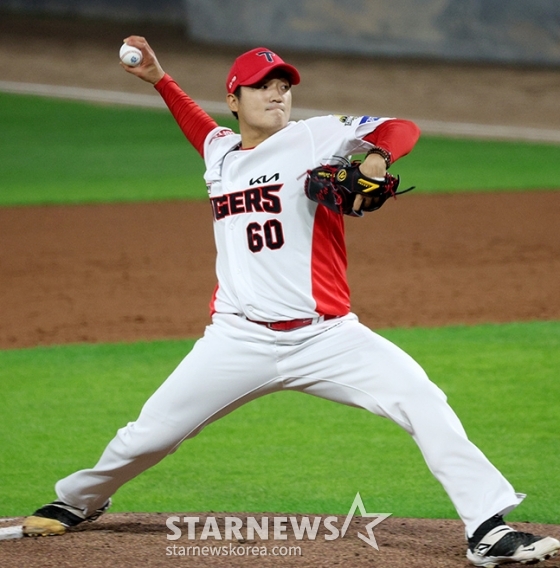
x,y
379,518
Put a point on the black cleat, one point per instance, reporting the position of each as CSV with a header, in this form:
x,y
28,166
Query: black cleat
x,y
56,517
495,543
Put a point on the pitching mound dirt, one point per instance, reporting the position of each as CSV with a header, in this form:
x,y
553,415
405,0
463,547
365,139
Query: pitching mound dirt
x,y
134,540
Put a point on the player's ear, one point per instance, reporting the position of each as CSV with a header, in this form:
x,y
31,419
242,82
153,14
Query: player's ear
x,y
232,102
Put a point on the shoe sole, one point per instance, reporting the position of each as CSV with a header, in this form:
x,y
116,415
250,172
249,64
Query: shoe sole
x,y
40,526
496,561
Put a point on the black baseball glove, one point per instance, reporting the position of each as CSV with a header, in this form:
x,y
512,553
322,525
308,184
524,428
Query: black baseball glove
x,y
337,187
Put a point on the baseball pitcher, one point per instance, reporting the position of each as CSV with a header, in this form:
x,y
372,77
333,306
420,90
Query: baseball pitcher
x,y
281,318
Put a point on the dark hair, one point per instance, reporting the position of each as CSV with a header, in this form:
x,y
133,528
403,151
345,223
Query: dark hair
x,y
237,93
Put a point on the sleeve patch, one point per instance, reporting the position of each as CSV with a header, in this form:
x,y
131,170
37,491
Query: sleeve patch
x,y
221,134
369,119
346,120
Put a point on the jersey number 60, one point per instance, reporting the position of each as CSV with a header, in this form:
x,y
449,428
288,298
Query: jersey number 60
x,y
272,232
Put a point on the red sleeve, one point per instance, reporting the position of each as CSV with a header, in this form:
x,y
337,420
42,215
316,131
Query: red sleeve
x,y
396,135
193,121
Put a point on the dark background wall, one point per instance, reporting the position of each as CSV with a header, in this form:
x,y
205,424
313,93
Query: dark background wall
x,y
163,11
512,31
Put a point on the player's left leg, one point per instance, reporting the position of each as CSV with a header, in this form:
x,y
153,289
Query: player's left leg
x,y
350,364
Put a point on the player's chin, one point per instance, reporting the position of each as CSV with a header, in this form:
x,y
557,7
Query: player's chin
x,y
278,118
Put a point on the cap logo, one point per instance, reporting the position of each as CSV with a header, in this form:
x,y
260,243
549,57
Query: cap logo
x,y
233,79
268,54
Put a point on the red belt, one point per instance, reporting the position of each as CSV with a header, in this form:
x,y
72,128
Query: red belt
x,y
292,324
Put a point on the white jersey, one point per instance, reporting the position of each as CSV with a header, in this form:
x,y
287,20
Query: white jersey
x,y
280,256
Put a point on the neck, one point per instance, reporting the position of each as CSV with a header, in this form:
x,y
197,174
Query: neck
x,y
250,138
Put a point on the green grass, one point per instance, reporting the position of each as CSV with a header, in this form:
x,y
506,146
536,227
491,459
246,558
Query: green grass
x,y
286,452
69,152
56,151
438,165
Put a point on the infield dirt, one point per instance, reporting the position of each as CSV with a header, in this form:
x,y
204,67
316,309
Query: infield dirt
x,y
145,271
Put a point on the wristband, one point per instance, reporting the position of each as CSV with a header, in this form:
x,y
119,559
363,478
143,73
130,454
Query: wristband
x,y
385,154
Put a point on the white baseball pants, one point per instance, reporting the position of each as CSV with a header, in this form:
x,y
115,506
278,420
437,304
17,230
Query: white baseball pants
x,y
339,360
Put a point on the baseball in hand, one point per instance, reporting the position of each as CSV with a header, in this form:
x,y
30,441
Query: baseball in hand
x,y
130,56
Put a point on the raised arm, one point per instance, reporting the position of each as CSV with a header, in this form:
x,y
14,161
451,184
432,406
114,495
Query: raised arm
x,y
194,122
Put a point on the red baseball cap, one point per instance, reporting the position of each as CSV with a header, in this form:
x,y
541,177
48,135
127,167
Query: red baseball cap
x,y
252,66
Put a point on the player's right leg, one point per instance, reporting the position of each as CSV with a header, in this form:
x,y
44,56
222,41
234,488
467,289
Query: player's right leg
x,y
226,368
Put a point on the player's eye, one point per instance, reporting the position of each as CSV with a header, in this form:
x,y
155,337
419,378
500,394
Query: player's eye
x,y
284,86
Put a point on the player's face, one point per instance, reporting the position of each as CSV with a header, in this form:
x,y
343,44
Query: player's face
x,y
263,109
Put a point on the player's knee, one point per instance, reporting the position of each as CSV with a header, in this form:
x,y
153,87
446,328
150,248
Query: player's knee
x,y
136,440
